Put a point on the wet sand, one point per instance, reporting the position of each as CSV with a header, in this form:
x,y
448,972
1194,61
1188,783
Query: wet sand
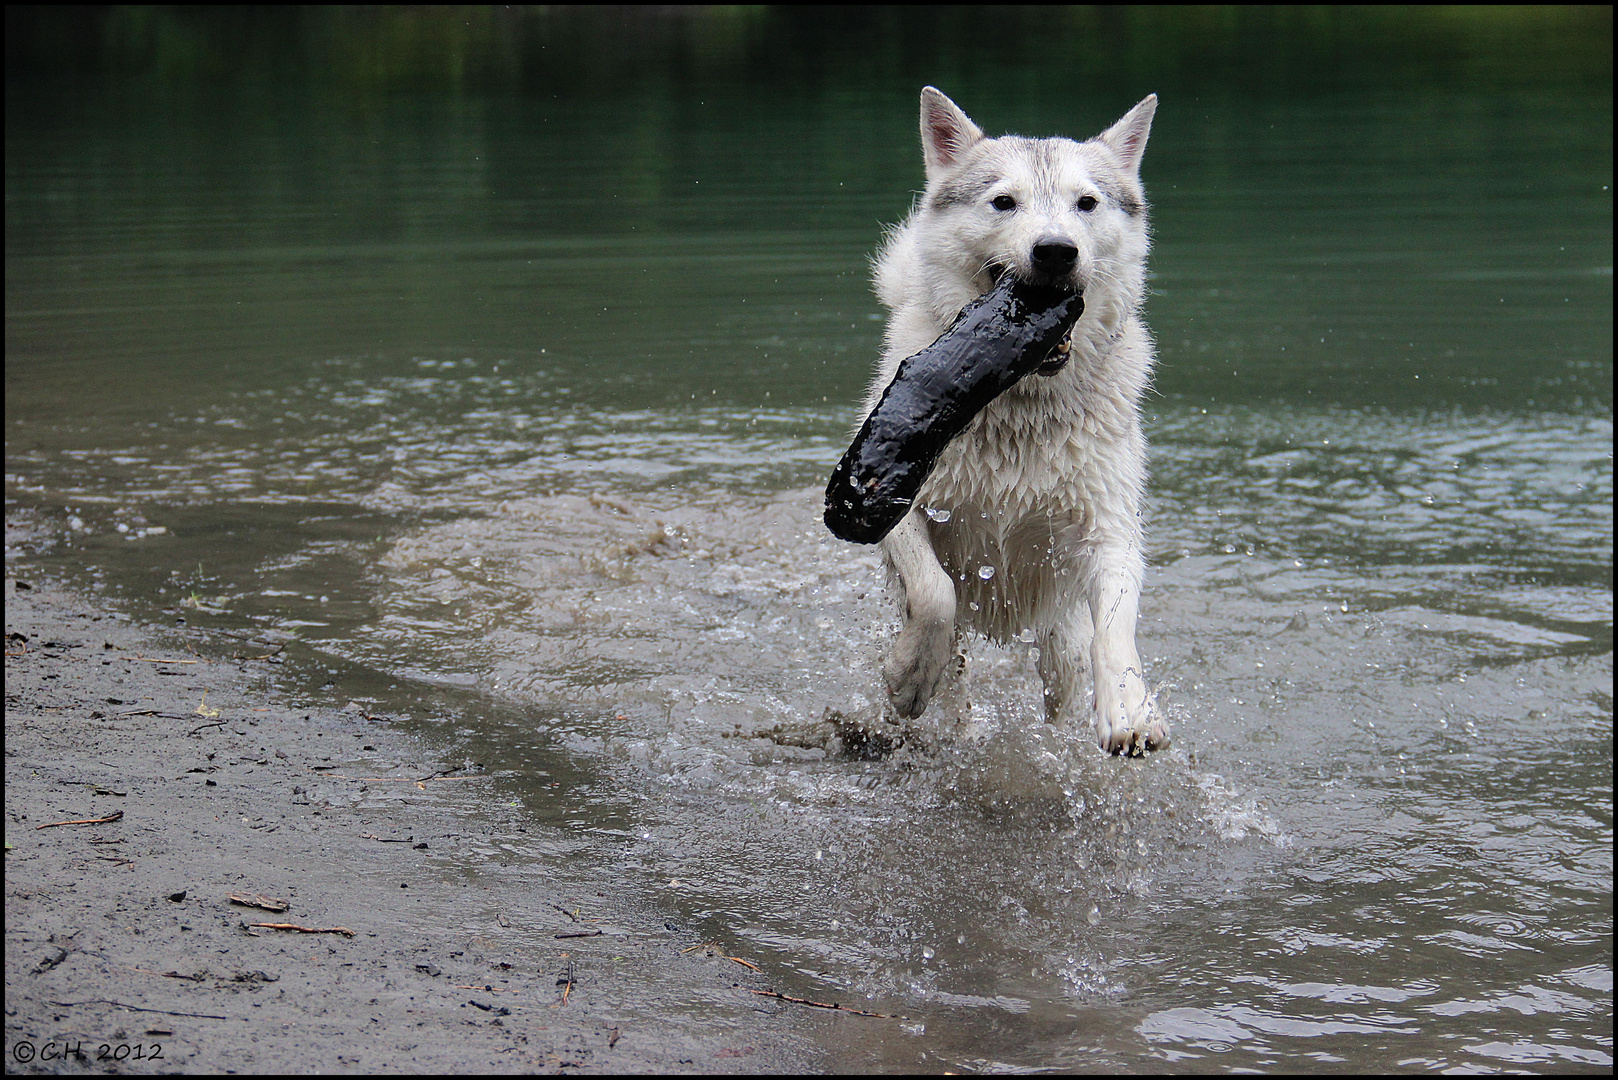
x,y
194,779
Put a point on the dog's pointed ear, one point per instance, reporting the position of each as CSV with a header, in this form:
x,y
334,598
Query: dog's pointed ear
x,y
946,132
1127,138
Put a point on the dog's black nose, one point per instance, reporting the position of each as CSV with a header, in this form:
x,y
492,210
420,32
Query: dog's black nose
x,y
1055,257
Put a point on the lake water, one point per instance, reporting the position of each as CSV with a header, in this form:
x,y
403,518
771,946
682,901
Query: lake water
x,y
521,403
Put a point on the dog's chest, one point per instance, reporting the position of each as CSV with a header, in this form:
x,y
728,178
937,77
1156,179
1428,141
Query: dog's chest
x,y
1025,453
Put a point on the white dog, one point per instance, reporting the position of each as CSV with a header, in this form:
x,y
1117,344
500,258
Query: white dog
x,y
1030,521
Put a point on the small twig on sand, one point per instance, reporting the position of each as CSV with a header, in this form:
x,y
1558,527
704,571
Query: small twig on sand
x,y
744,963
279,648
198,977
345,931
209,724
825,1005
109,819
133,1008
568,980
264,903
385,779
572,915
582,933
161,660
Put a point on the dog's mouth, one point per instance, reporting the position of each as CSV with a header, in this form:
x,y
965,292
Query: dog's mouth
x,y
1058,358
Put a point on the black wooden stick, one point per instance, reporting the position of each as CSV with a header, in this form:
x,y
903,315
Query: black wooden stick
x,y
1007,333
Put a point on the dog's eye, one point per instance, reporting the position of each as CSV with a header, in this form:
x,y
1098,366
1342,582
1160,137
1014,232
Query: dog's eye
x,y
1003,202
1087,203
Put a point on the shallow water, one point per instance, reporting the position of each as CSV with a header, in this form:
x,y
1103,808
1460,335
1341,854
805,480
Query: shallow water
x,y
457,392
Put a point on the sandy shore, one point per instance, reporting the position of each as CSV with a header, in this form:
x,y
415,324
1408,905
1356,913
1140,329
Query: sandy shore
x,y
185,778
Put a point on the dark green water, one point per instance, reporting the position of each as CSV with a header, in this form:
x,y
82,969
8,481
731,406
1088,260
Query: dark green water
x,y
516,387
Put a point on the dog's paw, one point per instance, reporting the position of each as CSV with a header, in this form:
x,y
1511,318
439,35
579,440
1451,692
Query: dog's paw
x,y
916,666
1133,739
1128,721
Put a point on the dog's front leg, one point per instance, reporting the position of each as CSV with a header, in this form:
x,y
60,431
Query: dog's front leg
x,y
915,667
1061,663
1126,718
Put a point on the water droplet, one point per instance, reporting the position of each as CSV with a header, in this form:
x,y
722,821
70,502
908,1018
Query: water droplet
x,y
960,939
985,572
1094,917
927,953
939,516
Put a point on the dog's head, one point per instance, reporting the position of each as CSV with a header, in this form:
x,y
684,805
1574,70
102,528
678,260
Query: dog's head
x,y
1052,211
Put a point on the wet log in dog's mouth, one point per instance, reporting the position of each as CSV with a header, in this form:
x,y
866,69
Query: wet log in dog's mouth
x,y
1012,331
